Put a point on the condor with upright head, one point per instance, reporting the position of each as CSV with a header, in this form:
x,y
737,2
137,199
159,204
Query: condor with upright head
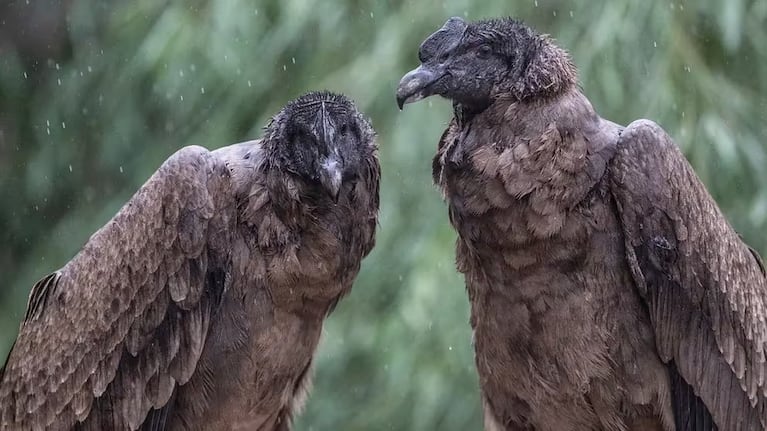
x,y
607,290
200,304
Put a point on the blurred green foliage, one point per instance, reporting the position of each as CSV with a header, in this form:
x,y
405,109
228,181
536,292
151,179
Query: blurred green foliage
x,y
94,95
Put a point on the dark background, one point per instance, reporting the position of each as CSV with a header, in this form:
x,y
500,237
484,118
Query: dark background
x,y
94,95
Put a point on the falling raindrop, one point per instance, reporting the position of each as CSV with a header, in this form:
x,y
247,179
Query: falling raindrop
x,y
536,3
284,67
59,80
70,168
202,90
571,14
293,59
25,75
654,44
182,97
63,125
249,83
181,73
90,69
121,169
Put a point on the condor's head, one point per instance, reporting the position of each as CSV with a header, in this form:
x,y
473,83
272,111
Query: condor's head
x,y
323,139
474,63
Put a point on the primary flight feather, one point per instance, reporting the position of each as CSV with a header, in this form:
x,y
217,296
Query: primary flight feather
x,y
607,290
200,304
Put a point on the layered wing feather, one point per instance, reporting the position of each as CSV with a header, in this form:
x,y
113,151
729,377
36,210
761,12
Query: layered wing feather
x,y
109,336
705,289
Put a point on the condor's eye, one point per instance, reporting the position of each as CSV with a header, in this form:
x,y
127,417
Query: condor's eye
x,y
484,51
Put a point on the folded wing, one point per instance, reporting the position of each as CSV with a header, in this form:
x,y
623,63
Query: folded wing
x,y
704,288
107,338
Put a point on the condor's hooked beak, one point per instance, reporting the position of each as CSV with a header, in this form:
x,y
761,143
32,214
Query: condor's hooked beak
x,y
415,85
331,170
331,175
434,54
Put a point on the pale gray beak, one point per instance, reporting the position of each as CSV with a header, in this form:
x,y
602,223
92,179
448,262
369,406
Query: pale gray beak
x,y
419,83
331,175
414,86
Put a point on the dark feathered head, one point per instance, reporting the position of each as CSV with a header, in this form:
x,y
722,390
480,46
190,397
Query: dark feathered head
x,y
474,63
322,138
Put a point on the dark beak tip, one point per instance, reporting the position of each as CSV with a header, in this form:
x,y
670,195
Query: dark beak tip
x,y
401,94
415,85
400,102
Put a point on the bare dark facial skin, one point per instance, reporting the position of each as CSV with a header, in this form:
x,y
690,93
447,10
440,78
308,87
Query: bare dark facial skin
x,y
463,62
324,140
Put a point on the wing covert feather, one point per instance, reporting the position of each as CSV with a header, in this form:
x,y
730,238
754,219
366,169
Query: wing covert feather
x,y
110,335
705,290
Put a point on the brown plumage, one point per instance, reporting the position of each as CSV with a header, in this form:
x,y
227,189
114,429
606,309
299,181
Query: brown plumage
x,y
200,304
607,290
